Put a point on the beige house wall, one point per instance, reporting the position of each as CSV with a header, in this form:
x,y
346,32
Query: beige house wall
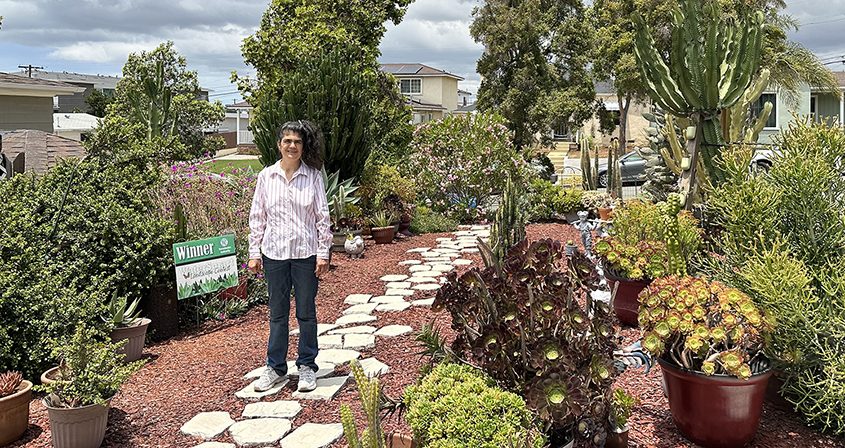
x,y
449,87
24,112
437,90
635,127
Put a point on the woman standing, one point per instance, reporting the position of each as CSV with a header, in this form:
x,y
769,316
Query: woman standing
x,y
289,240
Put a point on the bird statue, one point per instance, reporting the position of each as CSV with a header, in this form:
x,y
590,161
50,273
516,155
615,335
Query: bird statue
x,y
354,246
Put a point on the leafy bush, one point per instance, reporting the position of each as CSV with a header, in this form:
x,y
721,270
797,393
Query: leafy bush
x,y
381,183
427,221
461,161
547,201
457,406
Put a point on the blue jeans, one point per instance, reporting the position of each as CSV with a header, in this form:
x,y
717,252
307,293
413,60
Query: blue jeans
x,y
281,275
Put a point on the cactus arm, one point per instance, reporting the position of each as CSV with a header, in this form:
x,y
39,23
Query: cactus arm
x,y
712,63
753,133
677,59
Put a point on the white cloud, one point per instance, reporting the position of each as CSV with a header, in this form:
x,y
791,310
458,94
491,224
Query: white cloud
x,y
100,51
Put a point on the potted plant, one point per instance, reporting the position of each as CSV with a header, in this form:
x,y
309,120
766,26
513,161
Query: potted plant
x,y
127,326
340,198
708,339
15,394
599,202
382,229
78,402
620,411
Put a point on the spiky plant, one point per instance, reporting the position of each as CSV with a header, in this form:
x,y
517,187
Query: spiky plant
x,y
588,181
670,209
9,383
370,392
508,227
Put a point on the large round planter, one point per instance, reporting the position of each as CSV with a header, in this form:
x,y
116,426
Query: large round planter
x,y
50,375
625,304
405,226
715,411
83,427
617,438
605,213
14,413
135,334
383,235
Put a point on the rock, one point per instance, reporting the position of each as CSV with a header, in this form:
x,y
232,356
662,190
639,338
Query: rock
x,y
470,251
249,392
357,299
425,303
326,389
274,409
426,287
393,278
443,239
336,356
422,279
393,330
364,308
398,285
409,262
330,341
373,367
418,250
313,435
398,306
399,292
354,319
442,267
361,329
461,262
214,445
419,268
259,431
444,250
388,299
359,341
208,425
427,274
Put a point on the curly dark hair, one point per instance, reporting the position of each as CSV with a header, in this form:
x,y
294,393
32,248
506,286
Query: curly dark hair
x,y
312,141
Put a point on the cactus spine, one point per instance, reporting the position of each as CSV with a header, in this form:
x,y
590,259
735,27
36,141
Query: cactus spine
x,y
370,393
670,210
711,64
587,180
508,228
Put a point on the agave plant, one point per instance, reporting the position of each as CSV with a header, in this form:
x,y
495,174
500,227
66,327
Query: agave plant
x,y
703,326
529,322
121,312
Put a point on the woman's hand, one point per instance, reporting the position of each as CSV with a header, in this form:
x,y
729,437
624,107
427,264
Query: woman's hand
x,y
322,267
255,266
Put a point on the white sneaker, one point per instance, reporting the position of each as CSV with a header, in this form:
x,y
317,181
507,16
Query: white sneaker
x,y
268,379
307,379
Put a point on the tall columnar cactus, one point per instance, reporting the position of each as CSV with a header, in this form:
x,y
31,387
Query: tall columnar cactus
x,y
670,210
370,393
587,179
711,63
660,180
508,227
152,103
744,127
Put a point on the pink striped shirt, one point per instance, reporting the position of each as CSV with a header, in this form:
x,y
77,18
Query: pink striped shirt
x,y
289,219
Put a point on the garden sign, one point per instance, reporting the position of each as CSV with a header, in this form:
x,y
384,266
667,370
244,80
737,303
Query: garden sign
x,y
205,266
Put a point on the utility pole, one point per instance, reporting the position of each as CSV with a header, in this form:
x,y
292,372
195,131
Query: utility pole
x,y
29,68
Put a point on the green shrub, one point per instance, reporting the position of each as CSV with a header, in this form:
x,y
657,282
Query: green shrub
x,y
643,221
458,406
547,201
427,221
381,182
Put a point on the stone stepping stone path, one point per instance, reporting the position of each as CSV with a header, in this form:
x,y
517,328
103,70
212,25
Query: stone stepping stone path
x,y
269,423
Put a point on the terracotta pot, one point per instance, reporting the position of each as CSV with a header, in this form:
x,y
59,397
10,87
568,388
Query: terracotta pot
x,y
83,427
14,413
405,226
236,292
617,439
50,375
715,411
625,304
383,235
135,335
161,307
400,440
773,394
605,214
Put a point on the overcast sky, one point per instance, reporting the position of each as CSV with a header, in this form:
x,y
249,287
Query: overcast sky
x,y
95,36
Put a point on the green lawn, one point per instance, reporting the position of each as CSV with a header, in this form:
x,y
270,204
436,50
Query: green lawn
x,y
226,166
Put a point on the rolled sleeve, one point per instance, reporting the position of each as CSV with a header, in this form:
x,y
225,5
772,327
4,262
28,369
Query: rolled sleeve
x,y
323,219
257,218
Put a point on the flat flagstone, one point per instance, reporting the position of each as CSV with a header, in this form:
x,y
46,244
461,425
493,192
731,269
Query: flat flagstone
x,y
259,431
393,330
603,296
422,279
418,250
274,409
425,303
443,250
393,278
372,367
325,369
364,308
464,233
461,262
214,445
330,341
399,292
470,251
398,285
358,318
398,306
313,435
336,356
361,329
207,425
321,328
442,239
437,261
326,389
426,287
357,299
427,274
249,392
388,299
419,267
410,262
359,341
442,267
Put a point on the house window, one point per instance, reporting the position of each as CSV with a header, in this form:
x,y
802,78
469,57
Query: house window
x,y
757,107
410,86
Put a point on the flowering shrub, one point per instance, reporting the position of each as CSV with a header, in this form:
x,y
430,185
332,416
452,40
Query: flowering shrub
x,y
461,161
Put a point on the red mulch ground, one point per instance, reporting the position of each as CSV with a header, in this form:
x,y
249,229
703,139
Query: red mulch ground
x,y
201,370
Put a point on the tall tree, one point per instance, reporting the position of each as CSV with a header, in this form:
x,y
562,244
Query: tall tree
x,y
534,64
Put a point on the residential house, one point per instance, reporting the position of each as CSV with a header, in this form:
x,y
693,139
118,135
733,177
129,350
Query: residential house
x,y
465,98
239,113
432,93
74,126
76,103
37,151
636,124
27,103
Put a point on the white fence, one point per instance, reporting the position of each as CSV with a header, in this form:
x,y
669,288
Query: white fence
x,y
245,138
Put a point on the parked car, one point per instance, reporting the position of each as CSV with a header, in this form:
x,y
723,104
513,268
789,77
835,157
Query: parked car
x,y
633,169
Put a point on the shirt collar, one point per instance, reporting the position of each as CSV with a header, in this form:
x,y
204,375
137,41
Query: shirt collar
x,y
302,170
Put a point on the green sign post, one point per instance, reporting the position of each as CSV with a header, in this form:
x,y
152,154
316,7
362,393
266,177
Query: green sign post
x,y
205,266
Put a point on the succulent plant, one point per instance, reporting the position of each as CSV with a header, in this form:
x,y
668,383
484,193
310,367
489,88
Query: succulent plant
x,y
530,323
121,312
643,260
9,382
370,393
702,325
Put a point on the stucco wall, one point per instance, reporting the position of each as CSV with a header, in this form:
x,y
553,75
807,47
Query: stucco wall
x,y
23,112
635,128
785,111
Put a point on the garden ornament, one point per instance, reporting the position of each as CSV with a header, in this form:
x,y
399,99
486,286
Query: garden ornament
x,y
586,227
354,246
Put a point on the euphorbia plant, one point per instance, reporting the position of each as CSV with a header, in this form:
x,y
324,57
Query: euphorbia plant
x,y
703,326
530,323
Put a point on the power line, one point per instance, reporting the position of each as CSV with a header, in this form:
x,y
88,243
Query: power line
x,y
823,21
29,68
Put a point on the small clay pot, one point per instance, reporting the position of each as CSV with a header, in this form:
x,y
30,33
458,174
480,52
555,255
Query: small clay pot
x,y
400,440
383,235
626,304
605,214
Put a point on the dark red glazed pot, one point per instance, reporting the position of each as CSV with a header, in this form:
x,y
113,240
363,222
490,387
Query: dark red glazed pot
x,y
715,411
625,304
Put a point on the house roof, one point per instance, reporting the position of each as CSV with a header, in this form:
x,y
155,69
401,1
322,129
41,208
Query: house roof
x,y
466,109
10,81
243,105
42,150
98,81
416,70
840,78
465,92
422,105
75,122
